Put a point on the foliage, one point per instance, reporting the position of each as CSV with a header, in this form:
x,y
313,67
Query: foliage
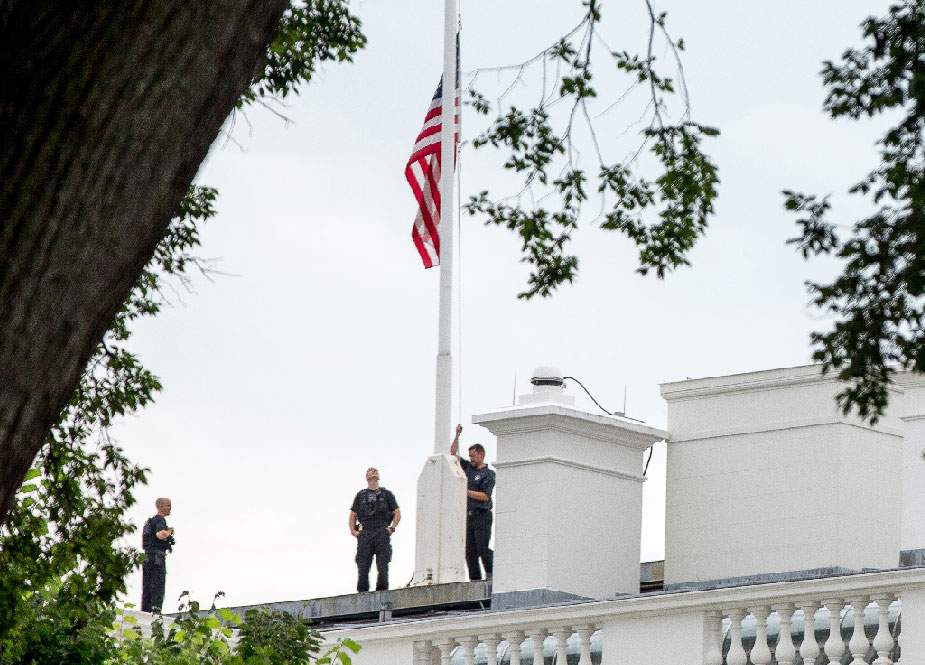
x,y
277,637
309,34
879,297
208,638
62,566
682,192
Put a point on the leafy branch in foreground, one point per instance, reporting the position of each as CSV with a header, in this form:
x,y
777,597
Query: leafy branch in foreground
x,y
547,159
879,297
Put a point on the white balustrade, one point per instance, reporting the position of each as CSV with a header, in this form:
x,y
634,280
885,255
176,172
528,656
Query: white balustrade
x,y
767,624
785,651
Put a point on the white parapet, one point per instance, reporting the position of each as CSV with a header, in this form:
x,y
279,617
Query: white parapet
x,y
440,540
569,498
767,476
799,619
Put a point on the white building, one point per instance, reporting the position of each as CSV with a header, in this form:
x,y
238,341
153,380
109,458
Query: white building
x,y
792,536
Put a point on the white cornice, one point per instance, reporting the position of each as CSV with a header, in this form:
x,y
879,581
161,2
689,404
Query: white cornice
x,y
784,426
575,465
556,417
768,379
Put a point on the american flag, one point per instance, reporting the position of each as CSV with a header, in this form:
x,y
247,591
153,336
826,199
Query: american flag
x,y
423,174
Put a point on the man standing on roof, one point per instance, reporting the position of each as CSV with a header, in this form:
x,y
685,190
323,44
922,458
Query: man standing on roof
x,y
156,541
374,516
479,486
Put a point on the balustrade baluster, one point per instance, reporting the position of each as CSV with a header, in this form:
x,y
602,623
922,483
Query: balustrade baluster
x,y
491,648
899,639
537,636
468,648
736,655
562,635
761,653
784,652
809,647
514,639
446,650
713,623
859,644
584,643
834,646
422,652
883,641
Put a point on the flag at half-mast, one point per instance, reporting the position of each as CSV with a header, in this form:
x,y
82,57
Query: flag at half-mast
x,y
423,174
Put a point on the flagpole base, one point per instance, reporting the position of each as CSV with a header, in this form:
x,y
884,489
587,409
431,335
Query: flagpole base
x,y
440,539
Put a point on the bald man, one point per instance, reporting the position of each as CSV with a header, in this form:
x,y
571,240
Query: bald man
x,y
156,540
374,516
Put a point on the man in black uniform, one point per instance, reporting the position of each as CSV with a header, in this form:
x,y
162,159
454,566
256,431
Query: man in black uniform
x,y
156,540
374,516
479,486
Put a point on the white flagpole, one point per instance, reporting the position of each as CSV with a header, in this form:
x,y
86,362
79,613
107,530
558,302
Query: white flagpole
x,y
444,401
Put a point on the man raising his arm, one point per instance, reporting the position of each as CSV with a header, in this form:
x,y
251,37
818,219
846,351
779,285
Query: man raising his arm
x,y
479,486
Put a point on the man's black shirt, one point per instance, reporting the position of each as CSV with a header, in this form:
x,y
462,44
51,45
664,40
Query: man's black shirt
x,y
374,508
149,539
479,480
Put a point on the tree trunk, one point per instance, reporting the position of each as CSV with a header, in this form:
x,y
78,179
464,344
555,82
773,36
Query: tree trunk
x,y
106,111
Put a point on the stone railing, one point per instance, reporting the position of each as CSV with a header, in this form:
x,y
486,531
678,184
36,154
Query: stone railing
x,y
759,624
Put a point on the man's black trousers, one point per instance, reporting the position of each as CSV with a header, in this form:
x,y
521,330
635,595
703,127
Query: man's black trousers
x,y
478,533
373,541
153,578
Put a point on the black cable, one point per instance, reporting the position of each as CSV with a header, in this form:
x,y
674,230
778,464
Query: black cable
x,y
615,413
591,396
646,468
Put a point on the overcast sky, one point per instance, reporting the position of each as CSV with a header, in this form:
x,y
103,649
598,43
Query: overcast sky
x,y
314,357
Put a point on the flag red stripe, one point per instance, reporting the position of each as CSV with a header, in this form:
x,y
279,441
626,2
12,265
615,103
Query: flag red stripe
x,y
424,208
422,172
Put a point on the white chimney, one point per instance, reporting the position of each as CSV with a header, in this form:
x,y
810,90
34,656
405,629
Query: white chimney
x,y
568,494
766,477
